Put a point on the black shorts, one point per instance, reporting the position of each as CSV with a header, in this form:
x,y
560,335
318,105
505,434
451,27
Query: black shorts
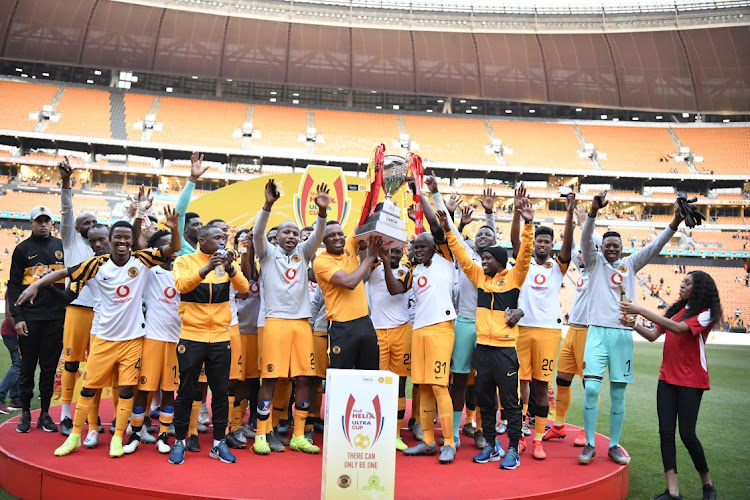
x,y
354,344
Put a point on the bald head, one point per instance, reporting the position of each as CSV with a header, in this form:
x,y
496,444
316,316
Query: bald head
x,y
84,223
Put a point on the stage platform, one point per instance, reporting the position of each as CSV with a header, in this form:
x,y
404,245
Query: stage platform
x,y
28,469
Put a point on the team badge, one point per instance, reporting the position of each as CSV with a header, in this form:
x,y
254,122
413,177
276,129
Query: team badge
x,y
143,380
68,351
336,349
623,268
501,282
296,258
85,375
133,272
58,254
344,481
401,273
548,264
181,348
269,367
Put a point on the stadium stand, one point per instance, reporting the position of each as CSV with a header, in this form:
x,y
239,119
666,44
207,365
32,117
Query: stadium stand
x,y
450,140
355,134
559,141
279,127
198,121
20,99
724,150
137,107
83,113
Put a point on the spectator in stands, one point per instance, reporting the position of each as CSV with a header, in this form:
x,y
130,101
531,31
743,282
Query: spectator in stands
x,y
737,313
668,291
649,278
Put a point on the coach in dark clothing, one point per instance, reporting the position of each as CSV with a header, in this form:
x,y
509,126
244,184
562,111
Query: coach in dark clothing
x,y
39,325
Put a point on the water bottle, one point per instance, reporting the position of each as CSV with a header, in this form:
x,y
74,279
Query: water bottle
x,y
219,270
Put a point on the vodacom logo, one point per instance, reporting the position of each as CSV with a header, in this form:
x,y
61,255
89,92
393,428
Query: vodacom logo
x,y
122,291
579,283
616,278
170,292
254,287
539,279
422,281
290,274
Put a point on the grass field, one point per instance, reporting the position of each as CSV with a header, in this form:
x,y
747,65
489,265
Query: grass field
x,y
727,401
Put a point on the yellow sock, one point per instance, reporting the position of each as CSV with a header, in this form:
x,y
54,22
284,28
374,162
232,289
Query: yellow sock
x,y
445,410
539,424
93,417
562,404
124,410
195,409
469,416
261,428
67,386
136,419
231,414
427,416
82,412
165,420
236,414
299,421
479,420
400,415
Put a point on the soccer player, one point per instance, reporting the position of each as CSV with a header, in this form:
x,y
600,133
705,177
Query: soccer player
x,y
80,313
465,326
684,372
340,275
190,222
608,344
39,324
118,323
432,338
497,333
159,369
204,337
287,344
570,359
540,328
390,317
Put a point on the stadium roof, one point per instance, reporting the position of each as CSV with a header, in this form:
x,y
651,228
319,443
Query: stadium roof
x,y
699,61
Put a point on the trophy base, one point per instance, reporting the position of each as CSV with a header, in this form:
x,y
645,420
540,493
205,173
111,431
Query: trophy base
x,y
388,227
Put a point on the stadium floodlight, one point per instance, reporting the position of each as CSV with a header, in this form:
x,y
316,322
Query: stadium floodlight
x,y
273,99
396,106
578,110
697,159
603,117
295,101
247,129
659,117
296,94
508,111
532,111
686,115
97,72
169,89
725,120
45,74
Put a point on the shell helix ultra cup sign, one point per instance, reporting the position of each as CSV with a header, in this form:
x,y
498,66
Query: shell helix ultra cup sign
x,y
359,451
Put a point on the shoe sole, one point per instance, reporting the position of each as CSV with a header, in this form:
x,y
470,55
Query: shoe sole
x,y
579,445
90,446
45,429
510,468
545,438
259,452
420,454
445,462
217,457
491,459
176,463
586,462
193,450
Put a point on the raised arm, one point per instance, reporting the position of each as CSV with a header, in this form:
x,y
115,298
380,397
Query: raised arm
x,y
196,170
67,220
488,203
429,213
655,318
567,243
394,285
451,227
259,234
645,254
322,200
526,248
172,222
515,226
471,269
144,203
247,259
351,280
588,248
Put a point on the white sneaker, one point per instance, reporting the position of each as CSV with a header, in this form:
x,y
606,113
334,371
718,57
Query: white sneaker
x,y
132,445
526,430
203,417
162,444
146,437
92,439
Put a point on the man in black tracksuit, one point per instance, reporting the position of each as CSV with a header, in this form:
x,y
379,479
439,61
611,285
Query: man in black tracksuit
x,y
39,325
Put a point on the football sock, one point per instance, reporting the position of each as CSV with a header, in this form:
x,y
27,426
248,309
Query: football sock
x,y
195,410
591,408
82,412
300,416
67,385
93,417
136,418
427,416
236,414
445,410
230,399
617,411
124,409
400,415
166,416
264,410
562,403
540,422
469,415
478,415
456,423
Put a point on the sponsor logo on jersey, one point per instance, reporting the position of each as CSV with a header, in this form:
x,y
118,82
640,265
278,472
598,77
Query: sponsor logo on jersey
x,y
616,278
39,270
58,254
580,282
296,258
540,279
254,287
422,281
133,272
363,422
290,274
305,209
170,292
122,291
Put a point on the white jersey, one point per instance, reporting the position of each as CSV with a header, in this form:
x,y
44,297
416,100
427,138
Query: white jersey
x,y
386,310
431,291
233,306
540,294
76,248
261,307
248,309
118,311
580,309
162,301
319,321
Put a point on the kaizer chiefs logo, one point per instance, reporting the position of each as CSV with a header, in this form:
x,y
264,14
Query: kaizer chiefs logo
x,y
269,367
142,380
85,375
68,351
296,258
344,481
548,264
132,272
401,273
181,348
501,282
336,349
623,268
58,254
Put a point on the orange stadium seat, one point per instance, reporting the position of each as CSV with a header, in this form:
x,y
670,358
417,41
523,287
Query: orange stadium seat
x,y
279,127
198,122
535,144
137,107
20,99
84,113
450,140
355,134
636,149
725,150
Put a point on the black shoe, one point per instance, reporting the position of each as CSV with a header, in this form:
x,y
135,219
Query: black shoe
x,y
24,425
148,425
99,426
45,423
410,423
66,426
192,443
709,492
112,427
233,442
667,496
282,439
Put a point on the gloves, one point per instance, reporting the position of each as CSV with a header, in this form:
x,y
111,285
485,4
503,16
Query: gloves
x,y
691,214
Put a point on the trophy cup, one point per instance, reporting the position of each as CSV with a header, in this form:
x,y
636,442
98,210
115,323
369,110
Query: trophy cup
x,y
383,219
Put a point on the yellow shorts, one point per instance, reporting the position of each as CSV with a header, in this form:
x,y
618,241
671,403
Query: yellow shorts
x,y
260,347
77,333
395,349
250,348
537,349
237,367
159,368
110,360
571,352
287,349
320,348
431,348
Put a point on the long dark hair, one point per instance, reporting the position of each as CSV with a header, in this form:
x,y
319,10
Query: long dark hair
x,y
704,295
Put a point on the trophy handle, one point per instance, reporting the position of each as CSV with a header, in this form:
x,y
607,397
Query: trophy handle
x,y
375,177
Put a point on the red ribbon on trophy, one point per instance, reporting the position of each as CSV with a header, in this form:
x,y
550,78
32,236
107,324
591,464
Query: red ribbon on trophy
x,y
374,182
416,171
